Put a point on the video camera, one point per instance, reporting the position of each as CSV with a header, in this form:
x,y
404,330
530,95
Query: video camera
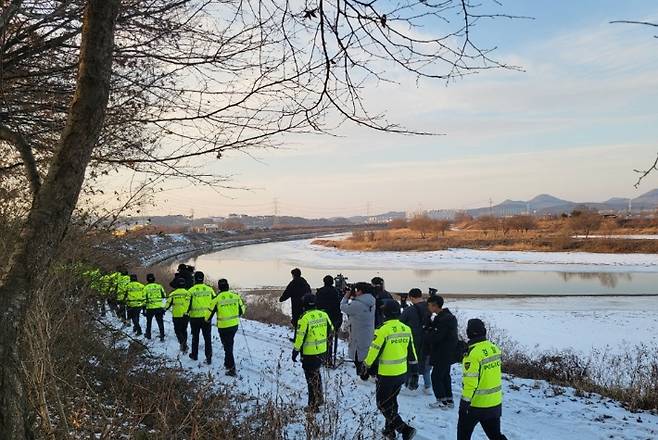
x,y
341,284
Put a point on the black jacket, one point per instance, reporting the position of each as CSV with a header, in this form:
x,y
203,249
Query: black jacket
x,y
186,275
441,338
295,291
380,297
328,300
416,316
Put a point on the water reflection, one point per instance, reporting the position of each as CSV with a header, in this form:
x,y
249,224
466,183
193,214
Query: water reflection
x,y
267,265
606,279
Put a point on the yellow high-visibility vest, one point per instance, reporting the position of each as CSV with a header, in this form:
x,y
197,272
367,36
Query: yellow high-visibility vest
x,y
179,301
482,375
312,330
154,294
229,307
393,348
135,294
200,297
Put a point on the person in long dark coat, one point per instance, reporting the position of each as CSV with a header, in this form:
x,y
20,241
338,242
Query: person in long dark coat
x,y
441,342
328,300
295,291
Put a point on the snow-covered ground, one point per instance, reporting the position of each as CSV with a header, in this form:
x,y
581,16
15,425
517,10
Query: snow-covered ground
x,y
579,323
532,409
623,237
302,252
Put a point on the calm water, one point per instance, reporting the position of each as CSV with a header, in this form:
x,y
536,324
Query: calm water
x,y
266,265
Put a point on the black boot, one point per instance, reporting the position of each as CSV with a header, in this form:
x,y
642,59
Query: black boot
x,y
407,432
193,357
231,372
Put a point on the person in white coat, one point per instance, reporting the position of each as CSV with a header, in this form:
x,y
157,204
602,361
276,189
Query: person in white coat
x,y
359,306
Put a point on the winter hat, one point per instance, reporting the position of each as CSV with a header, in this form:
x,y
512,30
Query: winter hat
x,y
150,278
222,285
390,309
415,293
199,276
328,280
308,301
475,328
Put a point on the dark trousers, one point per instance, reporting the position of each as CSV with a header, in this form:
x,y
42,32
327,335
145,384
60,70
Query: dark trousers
x,y
133,315
388,388
180,328
467,423
120,309
227,336
201,325
358,364
158,314
311,366
442,382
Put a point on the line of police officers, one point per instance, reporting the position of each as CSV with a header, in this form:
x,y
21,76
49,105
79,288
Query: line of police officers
x,y
391,356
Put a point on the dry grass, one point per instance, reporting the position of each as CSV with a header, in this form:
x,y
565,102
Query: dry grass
x,y
629,377
551,235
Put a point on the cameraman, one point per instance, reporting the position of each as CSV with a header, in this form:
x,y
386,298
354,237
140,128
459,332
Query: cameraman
x,y
381,295
359,306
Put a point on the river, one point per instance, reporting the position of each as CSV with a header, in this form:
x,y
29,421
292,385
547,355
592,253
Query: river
x,y
464,272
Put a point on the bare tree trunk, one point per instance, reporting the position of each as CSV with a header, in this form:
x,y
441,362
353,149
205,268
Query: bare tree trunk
x,y
53,205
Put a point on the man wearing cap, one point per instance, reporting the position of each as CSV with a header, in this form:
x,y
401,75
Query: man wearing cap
x,y
229,308
391,356
154,294
441,346
295,291
135,300
200,297
179,301
381,295
328,300
416,316
313,328
482,394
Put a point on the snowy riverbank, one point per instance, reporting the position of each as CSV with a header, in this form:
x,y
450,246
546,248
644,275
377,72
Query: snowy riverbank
x,y
532,409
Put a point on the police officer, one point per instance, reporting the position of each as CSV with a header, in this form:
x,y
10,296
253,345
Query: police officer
x,y
389,354
135,301
482,394
154,294
120,280
200,297
313,328
179,301
229,307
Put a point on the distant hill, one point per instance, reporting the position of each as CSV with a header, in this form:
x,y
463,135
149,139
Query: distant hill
x,y
548,204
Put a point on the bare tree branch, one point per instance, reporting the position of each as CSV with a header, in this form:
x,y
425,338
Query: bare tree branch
x,y
21,144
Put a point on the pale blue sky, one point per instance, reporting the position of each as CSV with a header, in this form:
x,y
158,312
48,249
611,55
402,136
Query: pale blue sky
x,y
574,124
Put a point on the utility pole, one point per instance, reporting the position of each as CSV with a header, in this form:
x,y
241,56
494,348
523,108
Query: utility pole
x,y
490,207
275,220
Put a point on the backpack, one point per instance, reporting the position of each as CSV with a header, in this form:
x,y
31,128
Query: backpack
x,y
461,348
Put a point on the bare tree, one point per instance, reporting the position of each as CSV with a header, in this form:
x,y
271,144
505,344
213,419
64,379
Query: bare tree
x,y
654,166
53,205
191,80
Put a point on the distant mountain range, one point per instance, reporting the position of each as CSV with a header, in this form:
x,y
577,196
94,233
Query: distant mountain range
x,y
548,204
540,205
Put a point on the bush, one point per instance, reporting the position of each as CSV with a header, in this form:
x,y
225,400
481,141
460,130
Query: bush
x,y
358,235
265,310
398,223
